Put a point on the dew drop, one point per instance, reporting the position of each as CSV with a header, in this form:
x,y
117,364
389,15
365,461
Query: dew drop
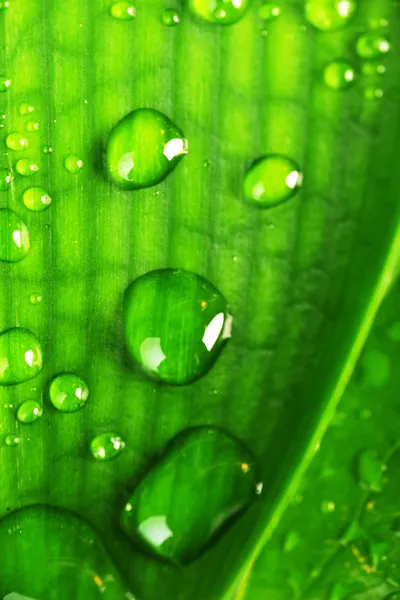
x,y
12,440
2,120
36,199
5,179
271,180
106,446
269,11
143,148
180,505
373,68
372,45
327,507
5,83
339,75
68,392
20,356
47,149
176,324
73,163
32,126
124,11
170,17
26,109
29,412
4,4
14,236
17,142
372,92
370,471
329,14
225,12
26,167
35,298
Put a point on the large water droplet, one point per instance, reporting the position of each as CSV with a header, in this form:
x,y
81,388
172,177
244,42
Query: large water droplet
x,y
29,412
5,179
176,323
5,83
106,446
372,45
269,11
16,141
271,180
370,471
12,439
36,199
68,392
329,14
339,75
143,148
26,167
170,17
219,11
73,163
124,11
20,356
204,478
14,236
50,553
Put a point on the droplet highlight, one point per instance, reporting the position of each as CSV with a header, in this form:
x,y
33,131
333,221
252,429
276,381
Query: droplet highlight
x,y
124,11
106,446
20,356
5,180
36,199
272,180
73,164
26,109
47,149
14,236
68,392
29,412
170,17
5,83
26,167
35,298
339,75
12,439
16,141
269,11
224,12
372,45
329,14
32,126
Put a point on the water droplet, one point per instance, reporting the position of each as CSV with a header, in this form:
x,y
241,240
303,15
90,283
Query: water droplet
x,y
14,237
269,11
373,93
292,539
32,126
143,148
219,11
329,14
26,167
5,179
26,109
125,11
271,180
370,471
68,392
36,199
176,323
5,83
29,412
47,149
373,68
170,17
11,440
35,298
20,356
4,4
16,141
179,505
73,163
2,120
339,75
372,45
327,506
51,553
106,446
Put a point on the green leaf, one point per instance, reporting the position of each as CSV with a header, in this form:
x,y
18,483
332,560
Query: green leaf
x,y
304,280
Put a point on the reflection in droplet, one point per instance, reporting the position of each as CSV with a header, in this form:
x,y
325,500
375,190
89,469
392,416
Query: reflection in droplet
x,y
106,446
68,392
329,14
5,179
20,356
125,11
16,141
26,167
36,199
170,17
5,83
339,75
372,45
73,163
224,12
271,180
12,439
29,412
14,236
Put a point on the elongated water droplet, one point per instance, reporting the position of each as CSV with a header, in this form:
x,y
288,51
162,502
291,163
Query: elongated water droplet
x,y
20,356
170,17
16,141
106,446
269,11
68,392
372,45
12,439
339,75
143,148
329,14
180,504
35,298
32,126
124,11
5,83
47,149
370,471
225,12
73,163
36,199
14,236
26,167
26,109
50,553
176,323
29,412
5,179
271,180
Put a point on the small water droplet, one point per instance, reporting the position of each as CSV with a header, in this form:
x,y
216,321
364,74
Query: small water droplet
x,y
17,142
14,236
193,466
269,11
327,507
373,93
106,446
20,356
68,392
372,45
329,14
5,179
35,298
170,17
176,324
339,75
2,120
12,439
26,167
26,109
373,68
271,180
5,83
36,199
29,412
207,163
124,11
73,163
370,471
47,149
225,12
292,539
32,126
